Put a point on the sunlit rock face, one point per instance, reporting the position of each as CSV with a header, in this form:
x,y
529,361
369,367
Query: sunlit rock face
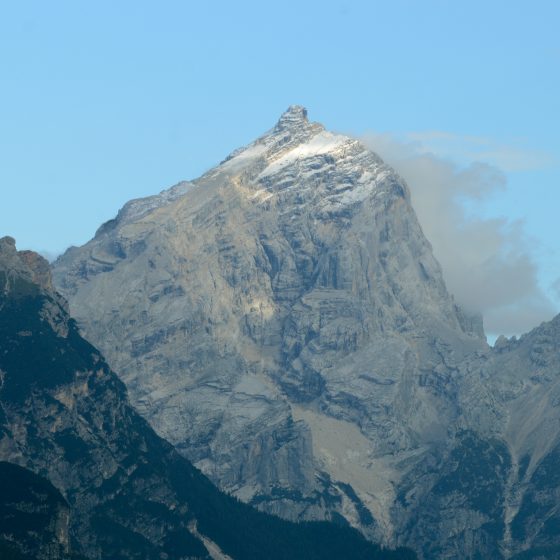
x,y
283,322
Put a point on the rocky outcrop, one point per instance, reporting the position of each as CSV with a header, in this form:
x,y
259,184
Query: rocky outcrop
x,y
111,488
284,324
494,492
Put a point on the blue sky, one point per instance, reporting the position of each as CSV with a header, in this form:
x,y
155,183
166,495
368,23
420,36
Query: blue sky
x,y
101,101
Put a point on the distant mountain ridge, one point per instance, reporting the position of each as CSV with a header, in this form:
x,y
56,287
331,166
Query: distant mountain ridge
x,y
284,323
84,477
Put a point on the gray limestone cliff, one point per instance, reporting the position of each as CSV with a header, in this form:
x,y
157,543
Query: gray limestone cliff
x,y
283,322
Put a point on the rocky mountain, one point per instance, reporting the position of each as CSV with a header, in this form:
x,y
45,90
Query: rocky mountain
x,y
495,493
283,322
83,475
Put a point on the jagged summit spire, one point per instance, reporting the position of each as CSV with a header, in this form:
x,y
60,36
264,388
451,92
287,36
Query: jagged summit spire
x,y
7,243
295,115
292,129
8,252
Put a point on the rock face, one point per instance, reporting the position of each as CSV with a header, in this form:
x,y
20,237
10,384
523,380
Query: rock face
x,y
513,396
283,322
92,478
494,493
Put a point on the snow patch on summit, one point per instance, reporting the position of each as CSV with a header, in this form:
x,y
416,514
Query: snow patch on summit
x,y
137,208
239,159
322,143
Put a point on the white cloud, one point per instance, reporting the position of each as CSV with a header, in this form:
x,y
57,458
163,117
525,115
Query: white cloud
x,y
464,149
487,263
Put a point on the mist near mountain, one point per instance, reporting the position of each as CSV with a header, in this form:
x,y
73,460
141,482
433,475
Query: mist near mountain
x,y
487,262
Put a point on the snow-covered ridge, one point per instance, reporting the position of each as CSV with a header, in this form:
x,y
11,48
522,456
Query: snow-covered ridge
x,y
243,157
137,208
336,170
322,143
292,129
304,156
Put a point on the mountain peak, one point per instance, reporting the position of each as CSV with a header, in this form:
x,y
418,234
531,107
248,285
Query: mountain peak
x,y
291,130
7,245
293,116
26,265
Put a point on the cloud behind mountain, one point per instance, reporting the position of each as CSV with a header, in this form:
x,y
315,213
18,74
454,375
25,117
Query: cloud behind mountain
x,y
487,261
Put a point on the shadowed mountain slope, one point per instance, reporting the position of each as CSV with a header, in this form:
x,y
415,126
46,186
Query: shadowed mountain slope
x,y
122,490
